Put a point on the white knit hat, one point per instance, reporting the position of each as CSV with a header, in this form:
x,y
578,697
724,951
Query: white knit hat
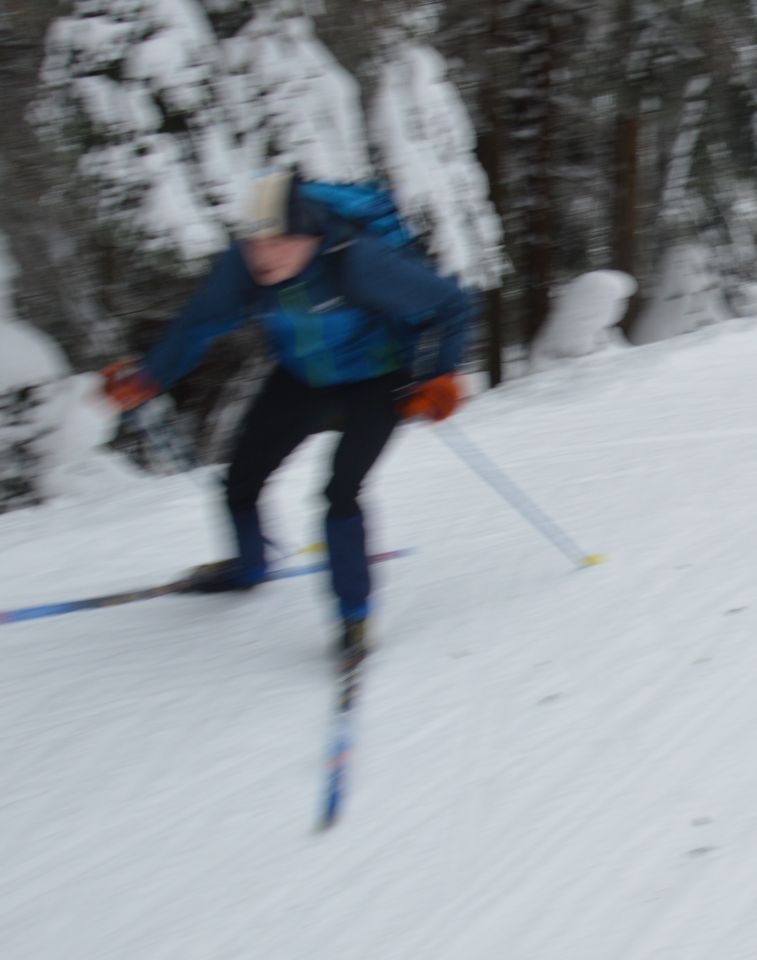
x,y
265,208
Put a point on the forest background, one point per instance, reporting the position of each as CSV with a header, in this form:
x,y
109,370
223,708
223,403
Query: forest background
x,y
530,142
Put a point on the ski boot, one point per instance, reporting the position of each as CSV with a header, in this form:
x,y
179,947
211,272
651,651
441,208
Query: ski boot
x,y
219,577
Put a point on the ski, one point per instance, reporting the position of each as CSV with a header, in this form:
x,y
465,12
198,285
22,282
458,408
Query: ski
x,y
148,593
342,735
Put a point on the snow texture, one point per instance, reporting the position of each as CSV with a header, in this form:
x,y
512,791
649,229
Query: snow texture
x,y
427,142
584,316
27,356
678,203
311,104
549,764
687,296
50,421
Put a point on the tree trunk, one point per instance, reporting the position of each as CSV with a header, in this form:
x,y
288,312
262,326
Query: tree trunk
x,y
532,129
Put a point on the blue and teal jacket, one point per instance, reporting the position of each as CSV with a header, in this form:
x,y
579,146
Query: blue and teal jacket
x,y
357,311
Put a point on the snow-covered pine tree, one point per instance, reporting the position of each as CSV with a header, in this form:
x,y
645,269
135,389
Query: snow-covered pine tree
x,y
21,445
426,144
695,140
30,369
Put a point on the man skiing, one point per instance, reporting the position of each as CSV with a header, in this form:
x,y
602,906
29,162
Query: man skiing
x,y
343,312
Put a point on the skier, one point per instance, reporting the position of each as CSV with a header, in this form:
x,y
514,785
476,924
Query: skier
x,y
344,313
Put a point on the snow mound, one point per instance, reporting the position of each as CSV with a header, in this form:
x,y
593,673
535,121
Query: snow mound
x,y
583,317
687,297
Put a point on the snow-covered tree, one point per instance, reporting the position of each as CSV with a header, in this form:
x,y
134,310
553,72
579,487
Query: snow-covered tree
x,y
30,365
690,233
171,121
138,87
54,424
426,143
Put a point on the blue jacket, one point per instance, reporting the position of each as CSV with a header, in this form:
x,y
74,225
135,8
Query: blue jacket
x,y
354,313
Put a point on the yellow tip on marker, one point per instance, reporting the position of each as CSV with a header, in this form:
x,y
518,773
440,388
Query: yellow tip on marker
x,y
313,548
593,559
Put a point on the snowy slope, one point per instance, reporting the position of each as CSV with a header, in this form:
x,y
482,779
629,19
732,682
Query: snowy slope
x,y
551,763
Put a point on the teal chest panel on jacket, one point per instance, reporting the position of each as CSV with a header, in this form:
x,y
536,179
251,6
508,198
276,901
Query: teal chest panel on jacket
x,y
320,338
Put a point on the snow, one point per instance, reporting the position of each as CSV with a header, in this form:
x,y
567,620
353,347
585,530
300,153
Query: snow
x,y
687,296
176,60
549,763
117,108
745,300
311,103
70,420
584,317
84,421
171,215
27,356
90,42
427,142
173,203
674,198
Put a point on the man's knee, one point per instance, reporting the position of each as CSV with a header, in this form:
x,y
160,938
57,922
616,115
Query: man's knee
x,y
342,499
242,491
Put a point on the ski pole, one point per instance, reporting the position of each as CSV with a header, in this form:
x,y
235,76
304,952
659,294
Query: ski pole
x,y
475,458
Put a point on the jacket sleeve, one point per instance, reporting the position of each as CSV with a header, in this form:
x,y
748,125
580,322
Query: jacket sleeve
x,y
219,305
406,289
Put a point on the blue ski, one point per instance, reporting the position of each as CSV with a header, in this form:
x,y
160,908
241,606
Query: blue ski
x,y
340,745
148,593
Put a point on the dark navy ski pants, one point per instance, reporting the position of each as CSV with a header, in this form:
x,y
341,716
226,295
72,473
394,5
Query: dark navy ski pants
x,y
281,416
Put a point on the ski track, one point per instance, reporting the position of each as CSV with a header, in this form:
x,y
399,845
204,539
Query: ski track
x,y
549,764
574,829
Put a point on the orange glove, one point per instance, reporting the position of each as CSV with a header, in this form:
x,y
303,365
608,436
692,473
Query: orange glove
x,y
127,384
434,399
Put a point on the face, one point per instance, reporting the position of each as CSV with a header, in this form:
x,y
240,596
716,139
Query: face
x,y
276,259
